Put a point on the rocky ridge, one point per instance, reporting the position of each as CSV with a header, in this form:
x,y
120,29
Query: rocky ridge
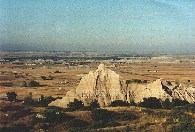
x,y
106,86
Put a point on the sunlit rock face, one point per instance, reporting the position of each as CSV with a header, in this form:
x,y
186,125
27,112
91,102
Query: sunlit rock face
x,y
70,96
106,86
154,89
103,85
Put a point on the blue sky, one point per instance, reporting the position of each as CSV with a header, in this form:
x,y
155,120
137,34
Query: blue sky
x,y
103,25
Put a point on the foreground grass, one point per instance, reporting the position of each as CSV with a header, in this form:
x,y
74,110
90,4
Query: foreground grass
x,y
14,116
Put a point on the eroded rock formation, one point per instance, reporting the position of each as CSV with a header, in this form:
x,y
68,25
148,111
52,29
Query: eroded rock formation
x,y
106,86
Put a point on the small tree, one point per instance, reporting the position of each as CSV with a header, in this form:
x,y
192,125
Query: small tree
x,y
167,104
119,103
94,104
151,102
28,100
11,96
22,84
33,84
178,102
44,101
76,105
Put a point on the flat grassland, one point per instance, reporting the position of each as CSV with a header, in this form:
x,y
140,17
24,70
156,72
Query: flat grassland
x,y
68,78
16,116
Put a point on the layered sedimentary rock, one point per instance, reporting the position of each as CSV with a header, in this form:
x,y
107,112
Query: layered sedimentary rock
x,y
103,85
139,91
106,86
162,90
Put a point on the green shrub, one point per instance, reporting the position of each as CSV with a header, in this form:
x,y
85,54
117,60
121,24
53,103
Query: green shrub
x,y
28,100
22,84
167,104
94,105
151,102
44,101
137,81
132,103
11,96
76,105
189,107
175,102
53,115
33,84
178,102
119,103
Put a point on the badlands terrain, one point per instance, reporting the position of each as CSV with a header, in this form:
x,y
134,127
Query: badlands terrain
x,y
125,76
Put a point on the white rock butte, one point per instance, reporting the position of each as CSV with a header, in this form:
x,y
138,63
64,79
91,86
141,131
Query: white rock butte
x,y
106,86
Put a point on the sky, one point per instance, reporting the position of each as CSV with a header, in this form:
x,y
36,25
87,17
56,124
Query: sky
x,y
98,25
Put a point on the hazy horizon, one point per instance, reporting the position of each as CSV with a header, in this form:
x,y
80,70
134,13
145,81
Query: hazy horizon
x,y
162,26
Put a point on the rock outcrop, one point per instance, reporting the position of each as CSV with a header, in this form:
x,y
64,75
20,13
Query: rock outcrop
x,y
155,89
160,89
106,86
103,85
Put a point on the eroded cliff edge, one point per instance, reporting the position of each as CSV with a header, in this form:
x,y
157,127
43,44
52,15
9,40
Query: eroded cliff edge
x,y
106,86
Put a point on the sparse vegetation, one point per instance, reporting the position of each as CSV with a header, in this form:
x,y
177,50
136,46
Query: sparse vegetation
x,y
137,81
104,118
75,123
47,78
119,103
167,104
28,100
11,96
94,105
33,84
185,125
102,115
51,115
44,101
126,116
75,105
151,102
57,71
16,115
23,84
178,102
